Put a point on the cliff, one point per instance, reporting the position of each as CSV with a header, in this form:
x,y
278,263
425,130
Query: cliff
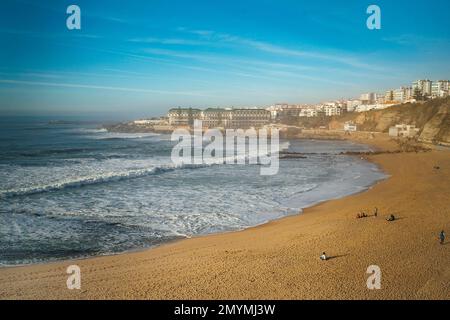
x,y
432,118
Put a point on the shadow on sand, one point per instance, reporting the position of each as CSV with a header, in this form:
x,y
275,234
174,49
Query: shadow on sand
x,y
338,256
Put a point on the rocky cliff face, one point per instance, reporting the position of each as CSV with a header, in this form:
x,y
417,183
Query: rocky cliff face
x,y
437,130
432,118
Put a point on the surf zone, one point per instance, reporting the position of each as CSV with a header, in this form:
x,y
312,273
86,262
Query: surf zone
x,y
236,146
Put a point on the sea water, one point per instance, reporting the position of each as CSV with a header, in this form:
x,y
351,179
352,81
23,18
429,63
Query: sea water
x,y
72,190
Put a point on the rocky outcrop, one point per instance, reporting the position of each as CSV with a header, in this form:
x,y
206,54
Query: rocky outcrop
x,y
432,118
437,130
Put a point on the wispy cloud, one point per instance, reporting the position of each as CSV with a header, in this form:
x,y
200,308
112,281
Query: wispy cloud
x,y
48,35
416,40
267,47
33,74
261,68
96,87
169,41
203,33
112,19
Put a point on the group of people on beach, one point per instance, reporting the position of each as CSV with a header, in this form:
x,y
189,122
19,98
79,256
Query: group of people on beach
x,y
362,214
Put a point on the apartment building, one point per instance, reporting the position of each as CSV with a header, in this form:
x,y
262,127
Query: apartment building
x,y
309,112
353,104
424,87
368,98
332,109
403,94
440,88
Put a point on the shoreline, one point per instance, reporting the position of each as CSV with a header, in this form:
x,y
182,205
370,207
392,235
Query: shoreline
x,y
181,238
168,259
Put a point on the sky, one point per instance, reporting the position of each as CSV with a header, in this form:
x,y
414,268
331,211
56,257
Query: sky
x,y
138,58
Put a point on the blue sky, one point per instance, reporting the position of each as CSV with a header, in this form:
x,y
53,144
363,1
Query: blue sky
x,y
139,58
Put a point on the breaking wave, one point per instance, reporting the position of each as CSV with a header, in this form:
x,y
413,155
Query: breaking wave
x,y
94,179
115,176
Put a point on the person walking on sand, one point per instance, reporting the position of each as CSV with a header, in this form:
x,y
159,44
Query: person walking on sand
x,y
376,212
323,257
442,237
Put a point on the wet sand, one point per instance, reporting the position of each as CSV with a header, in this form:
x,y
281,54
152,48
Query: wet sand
x,y
280,260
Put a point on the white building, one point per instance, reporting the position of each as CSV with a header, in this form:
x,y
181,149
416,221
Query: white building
x,y
440,88
142,122
150,122
309,112
403,130
352,104
332,109
349,126
380,98
368,107
275,110
424,87
368,98
403,94
389,96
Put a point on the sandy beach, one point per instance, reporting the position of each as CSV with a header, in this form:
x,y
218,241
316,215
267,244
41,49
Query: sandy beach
x,y
280,259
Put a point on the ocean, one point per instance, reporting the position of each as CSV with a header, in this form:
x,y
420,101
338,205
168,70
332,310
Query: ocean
x,y
72,190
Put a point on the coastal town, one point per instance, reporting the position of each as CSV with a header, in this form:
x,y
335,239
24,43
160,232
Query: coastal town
x,y
323,116
225,159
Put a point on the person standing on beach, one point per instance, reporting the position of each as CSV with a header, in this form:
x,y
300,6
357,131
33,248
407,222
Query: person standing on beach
x,y
376,212
442,237
323,257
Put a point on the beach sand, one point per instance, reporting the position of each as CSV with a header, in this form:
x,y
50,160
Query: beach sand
x,y
280,260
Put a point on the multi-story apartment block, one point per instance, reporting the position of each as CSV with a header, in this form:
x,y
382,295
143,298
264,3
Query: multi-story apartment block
x,y
309,112
332,110
403,94
399,95
380,98
368,98
353,104
440,88
389,96
424,87
409,93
